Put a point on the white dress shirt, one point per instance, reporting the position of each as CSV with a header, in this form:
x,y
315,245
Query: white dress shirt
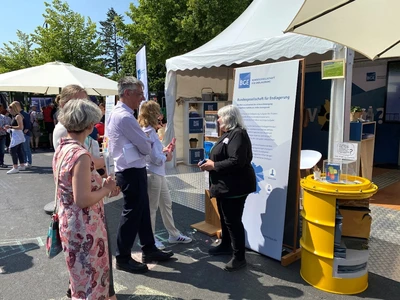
x,y
123,130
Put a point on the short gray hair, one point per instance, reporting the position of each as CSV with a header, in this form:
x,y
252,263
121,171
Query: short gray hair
x,y
231,117
79,114
128,83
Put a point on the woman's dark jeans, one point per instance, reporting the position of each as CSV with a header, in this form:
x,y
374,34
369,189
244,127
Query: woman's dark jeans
x,y
17,153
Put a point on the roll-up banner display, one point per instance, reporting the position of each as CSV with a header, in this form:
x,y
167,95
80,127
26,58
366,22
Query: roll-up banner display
x,y
266,96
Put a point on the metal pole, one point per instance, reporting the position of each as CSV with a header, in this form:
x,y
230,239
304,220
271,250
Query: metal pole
x,y
339,120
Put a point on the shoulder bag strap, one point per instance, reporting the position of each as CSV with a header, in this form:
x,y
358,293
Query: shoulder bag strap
x,y
68,148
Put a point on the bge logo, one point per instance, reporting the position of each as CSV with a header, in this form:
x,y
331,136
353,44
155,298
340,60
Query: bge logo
x,y
244,80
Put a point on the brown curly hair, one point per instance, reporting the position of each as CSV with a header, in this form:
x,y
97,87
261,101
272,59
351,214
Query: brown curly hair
x,y
149,113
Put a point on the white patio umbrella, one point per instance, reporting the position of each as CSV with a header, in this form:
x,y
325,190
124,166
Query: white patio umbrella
x,y
49,78
370,27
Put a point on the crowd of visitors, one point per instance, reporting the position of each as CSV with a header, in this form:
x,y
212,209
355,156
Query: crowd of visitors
x,y
38,128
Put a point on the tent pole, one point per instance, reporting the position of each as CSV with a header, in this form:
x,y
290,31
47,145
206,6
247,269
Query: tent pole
x,y
339,121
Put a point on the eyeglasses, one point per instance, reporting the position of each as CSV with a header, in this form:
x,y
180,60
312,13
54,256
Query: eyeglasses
x,y
137,93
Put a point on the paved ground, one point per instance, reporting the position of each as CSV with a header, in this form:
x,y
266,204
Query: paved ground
x,y
26,272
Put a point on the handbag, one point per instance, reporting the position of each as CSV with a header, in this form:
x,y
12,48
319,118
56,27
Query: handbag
x,y
53,240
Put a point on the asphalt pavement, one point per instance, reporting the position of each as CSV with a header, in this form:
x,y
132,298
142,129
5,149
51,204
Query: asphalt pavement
x,y
26,272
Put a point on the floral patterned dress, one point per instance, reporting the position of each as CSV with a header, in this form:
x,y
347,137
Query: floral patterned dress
x,y
83,231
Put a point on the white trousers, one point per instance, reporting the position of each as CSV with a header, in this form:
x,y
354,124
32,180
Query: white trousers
x,y
159,197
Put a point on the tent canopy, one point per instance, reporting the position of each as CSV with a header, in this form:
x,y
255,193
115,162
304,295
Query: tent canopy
x,y
257,35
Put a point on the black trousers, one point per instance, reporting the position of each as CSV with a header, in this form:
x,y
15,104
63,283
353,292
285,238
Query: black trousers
x,y
135,216
231,212
17,153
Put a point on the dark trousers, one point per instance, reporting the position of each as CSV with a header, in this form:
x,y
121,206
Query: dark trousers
x,y
135,216
17,153
2,147
230,212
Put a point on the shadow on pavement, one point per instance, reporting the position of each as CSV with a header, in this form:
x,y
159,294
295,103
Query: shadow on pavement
x,y
14,258
263,278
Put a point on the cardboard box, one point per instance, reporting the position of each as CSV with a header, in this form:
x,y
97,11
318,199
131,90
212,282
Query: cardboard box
x,y
356,222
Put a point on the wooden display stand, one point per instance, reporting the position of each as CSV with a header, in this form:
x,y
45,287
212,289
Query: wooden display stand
x,y
364,132
211,226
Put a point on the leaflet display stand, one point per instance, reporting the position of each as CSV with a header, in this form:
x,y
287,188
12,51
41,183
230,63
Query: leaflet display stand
x,y
211,225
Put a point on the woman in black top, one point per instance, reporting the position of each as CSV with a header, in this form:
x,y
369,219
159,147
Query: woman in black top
x,y
232,178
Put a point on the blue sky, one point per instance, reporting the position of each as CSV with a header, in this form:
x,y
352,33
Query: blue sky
x,y
26,15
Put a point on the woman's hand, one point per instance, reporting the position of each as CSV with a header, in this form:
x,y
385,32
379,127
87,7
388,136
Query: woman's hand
x,y
169,155
207,166
115,192
110,184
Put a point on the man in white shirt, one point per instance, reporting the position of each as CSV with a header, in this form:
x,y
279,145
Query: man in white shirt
x,y
129,145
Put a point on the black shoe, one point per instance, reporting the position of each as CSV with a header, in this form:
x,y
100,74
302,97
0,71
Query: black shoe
x,y
132,266
220,250
235,264
69,293
156,255
3,166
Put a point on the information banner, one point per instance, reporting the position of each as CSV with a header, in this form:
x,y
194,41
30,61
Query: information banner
x,y
110,103
141,69
266,97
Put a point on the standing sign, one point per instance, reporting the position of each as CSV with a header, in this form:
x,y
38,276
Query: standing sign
x,y
141,69
266,97
347,151
109,163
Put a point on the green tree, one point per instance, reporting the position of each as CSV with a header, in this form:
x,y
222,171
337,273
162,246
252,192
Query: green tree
x,y
68,37
17,55
174,27
112,43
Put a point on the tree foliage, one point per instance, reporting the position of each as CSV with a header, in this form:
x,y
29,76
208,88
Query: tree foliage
x,y
17,55
68,37
112,43
174,27
167,27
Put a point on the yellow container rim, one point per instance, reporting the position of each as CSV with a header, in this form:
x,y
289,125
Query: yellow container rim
x,y
362,189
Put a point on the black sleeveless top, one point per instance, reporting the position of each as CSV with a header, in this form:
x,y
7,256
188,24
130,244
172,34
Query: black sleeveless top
x,y
14,122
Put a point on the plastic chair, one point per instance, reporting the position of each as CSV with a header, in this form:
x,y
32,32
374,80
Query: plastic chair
x,y
309,158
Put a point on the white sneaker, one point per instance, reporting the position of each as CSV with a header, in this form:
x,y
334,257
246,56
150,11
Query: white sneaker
x,y
13,171
181,239
21,168
159,244
28,166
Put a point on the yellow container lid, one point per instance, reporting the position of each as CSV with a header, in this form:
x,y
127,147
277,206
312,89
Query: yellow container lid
x,y
361,188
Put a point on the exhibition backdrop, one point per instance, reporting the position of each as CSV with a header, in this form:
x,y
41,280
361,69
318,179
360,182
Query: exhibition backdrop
x,y
368,89
266,96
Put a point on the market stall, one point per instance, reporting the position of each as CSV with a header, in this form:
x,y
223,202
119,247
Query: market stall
x,y
255,37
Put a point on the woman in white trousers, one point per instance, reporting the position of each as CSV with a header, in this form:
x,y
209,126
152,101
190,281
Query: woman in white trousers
x,y
157,188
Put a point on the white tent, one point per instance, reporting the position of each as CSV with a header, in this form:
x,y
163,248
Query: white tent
x,y
257,35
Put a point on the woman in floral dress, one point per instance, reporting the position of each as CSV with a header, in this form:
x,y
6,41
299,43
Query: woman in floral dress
x,y
81,209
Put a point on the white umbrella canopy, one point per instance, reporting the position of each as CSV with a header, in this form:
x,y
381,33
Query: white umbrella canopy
x,y
49,78
370,27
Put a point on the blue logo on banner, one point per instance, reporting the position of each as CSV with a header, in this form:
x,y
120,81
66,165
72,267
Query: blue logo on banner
x,y
371,76
140,73
244,80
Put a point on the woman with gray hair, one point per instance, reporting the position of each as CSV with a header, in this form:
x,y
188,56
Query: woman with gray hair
x,y
232,179
80,204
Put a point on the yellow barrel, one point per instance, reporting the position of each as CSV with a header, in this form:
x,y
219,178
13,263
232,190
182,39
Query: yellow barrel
x,y
317,241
